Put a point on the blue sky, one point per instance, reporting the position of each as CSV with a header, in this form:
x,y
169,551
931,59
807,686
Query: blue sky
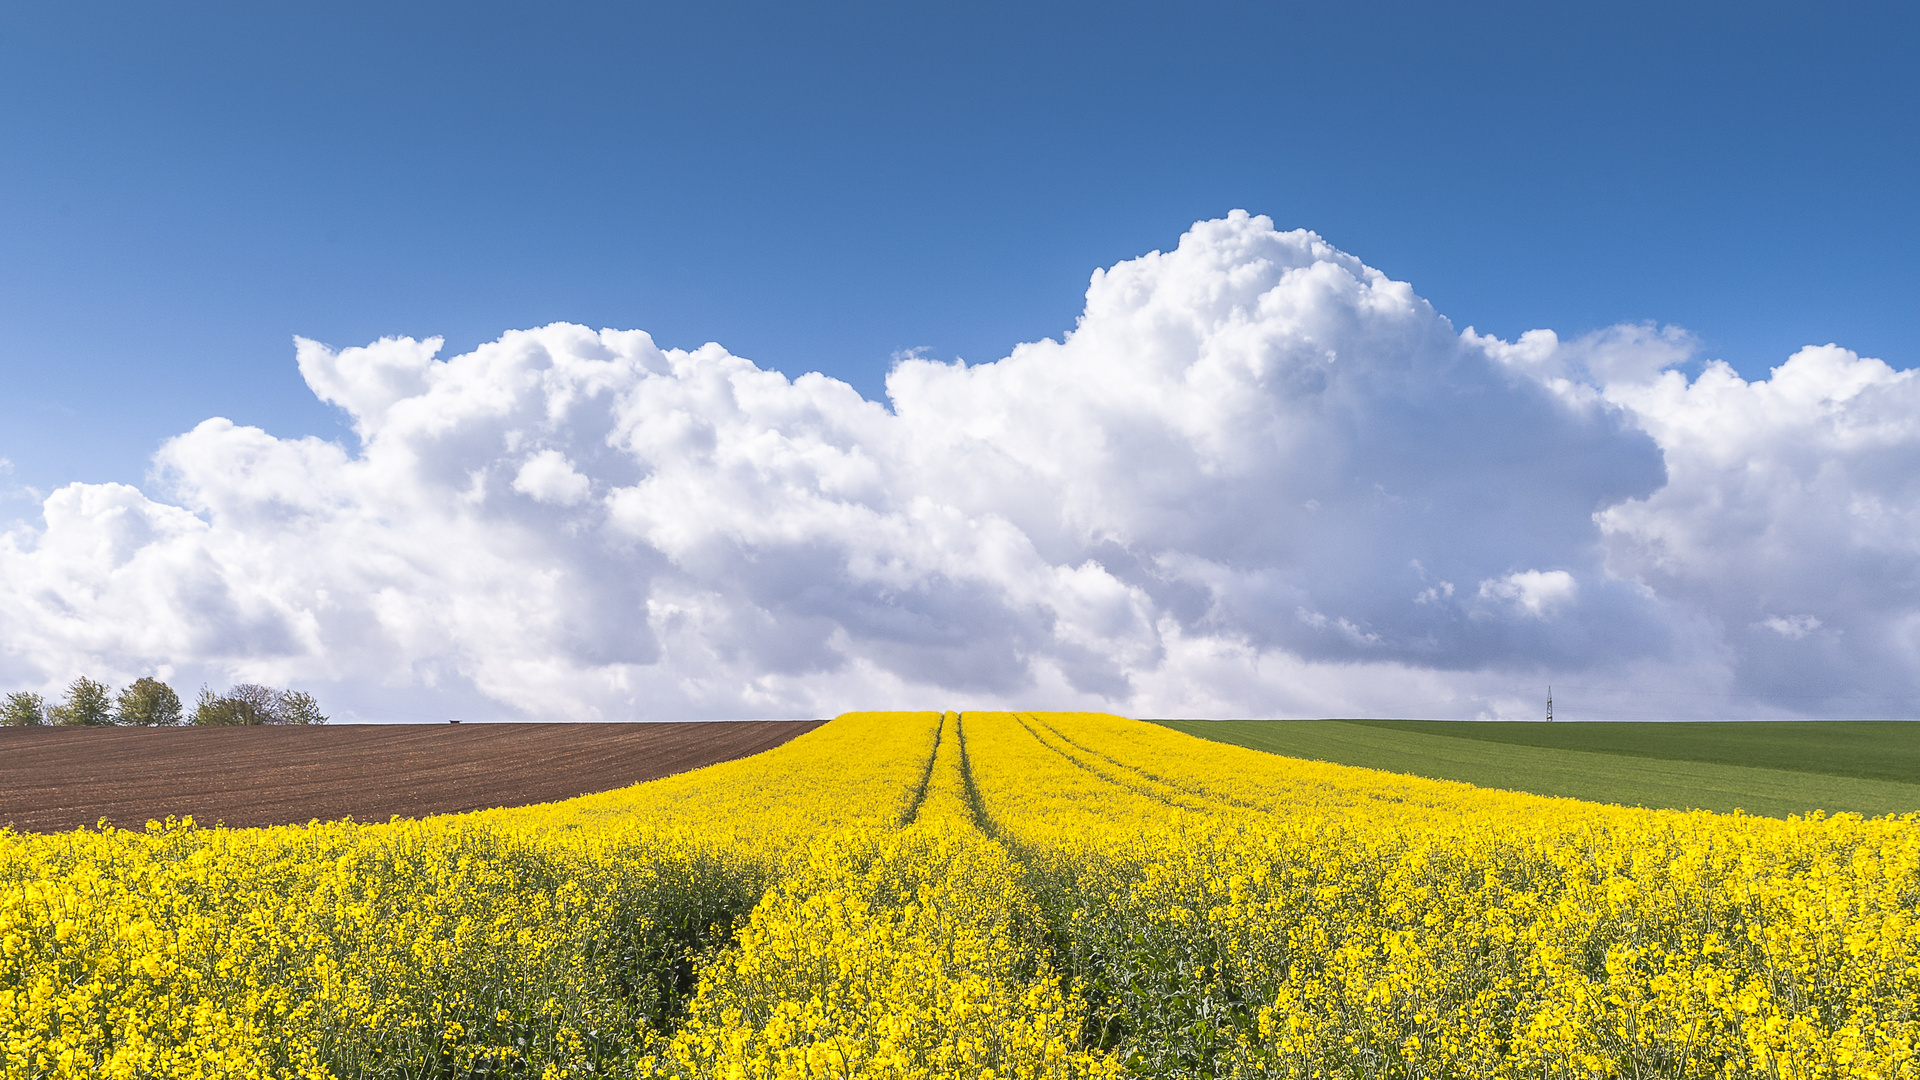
x,y
186,187
1260,479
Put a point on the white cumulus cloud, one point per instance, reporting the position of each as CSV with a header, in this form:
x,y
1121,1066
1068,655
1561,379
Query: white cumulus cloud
x,y
1536,592
1792,505
549,477
1244,483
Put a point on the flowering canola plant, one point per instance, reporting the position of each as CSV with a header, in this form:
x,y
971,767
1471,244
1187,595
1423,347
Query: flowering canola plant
x,y
1234,913
981,895
544,941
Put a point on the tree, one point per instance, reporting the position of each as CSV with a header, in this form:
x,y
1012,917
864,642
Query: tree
x,y
257,704
148,703
215,711
299,707
22,709
87,705
248,704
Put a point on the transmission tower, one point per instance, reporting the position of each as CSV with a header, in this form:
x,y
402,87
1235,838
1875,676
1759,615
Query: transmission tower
x,y
1549,704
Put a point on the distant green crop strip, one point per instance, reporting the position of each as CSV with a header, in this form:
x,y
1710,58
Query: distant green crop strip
x,y
1867,749
1612,777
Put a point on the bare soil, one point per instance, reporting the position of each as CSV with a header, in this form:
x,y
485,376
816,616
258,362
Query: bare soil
x,y
63,778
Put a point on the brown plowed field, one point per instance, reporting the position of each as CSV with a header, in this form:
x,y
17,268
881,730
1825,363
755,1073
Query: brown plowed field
x,y
62,778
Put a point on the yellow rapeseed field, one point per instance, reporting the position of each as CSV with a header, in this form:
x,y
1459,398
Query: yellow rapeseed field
x,y
988,895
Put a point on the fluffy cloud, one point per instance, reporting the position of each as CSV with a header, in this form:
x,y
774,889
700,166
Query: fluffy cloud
x,y
1791,519
549,477
1536,593
1257,477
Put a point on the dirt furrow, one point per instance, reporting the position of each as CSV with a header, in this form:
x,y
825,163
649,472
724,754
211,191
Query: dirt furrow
x,y
61,778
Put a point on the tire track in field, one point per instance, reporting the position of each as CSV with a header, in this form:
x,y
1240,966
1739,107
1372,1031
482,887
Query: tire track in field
x,y
1191,791
976,804
1163,793
926,774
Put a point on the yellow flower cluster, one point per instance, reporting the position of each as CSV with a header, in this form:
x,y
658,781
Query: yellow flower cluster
x,y
863,769
990,896
1235,913
546,941
336,950
913,952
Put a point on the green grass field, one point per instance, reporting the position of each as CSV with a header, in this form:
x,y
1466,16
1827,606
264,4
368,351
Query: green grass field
x,y
1774,769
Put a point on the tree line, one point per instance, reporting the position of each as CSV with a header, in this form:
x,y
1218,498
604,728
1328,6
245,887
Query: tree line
x,y
149,702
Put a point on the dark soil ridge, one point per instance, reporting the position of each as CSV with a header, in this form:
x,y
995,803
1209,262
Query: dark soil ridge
x,y
53,779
